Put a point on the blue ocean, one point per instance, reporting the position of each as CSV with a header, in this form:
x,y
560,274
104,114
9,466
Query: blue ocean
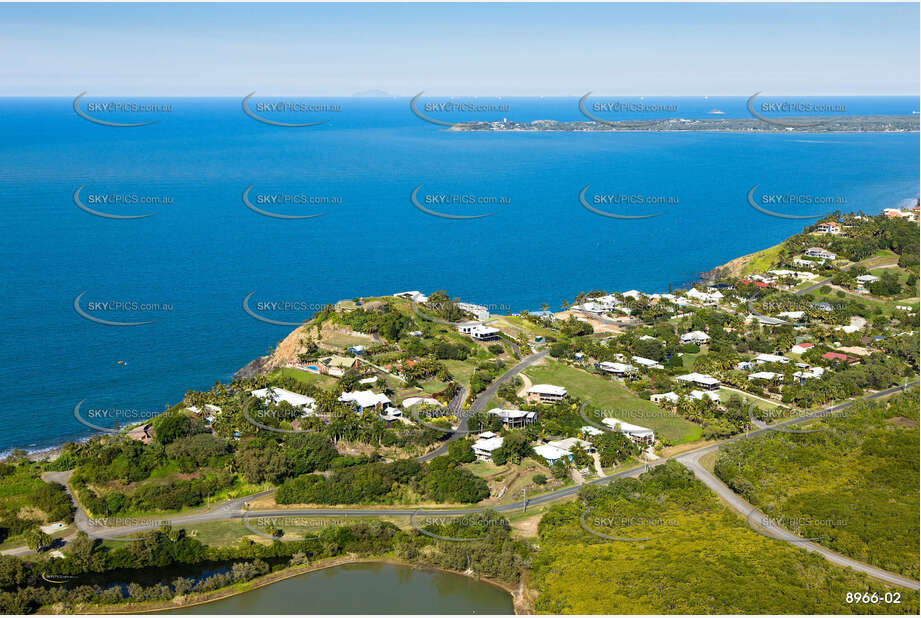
x,y
185,271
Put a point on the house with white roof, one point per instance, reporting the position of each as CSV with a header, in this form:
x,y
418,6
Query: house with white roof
x,y
867,279
546,393
698,337
414,295
478,311
647,362
412,401
764,375
770,358
620,370
307,405
707,298
702,380
568,444
362,400
792,315
699,395
801,348
819,252
588,430
478,331
641,435
669,397
484,447
514,418
552,454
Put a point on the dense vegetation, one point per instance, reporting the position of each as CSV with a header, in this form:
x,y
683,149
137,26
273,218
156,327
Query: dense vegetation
x,y
699,558
852,483
441,480
23,589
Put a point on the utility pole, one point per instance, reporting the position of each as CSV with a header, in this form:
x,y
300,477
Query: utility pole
x,y
524,502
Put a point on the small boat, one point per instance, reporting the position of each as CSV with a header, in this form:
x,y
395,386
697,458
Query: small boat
x,y
716,111
121,362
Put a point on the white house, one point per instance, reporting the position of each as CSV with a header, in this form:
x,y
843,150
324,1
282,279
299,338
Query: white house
x,y
819,252
621,370
801,348
868,278
669,397
552,454
568,444
364,399
702,380
478,311
764,375
484,447
707,298
514,418
792,315
695,336
647,362
307,405
699,395
412,401
478,331
770,358
588,430
546,393
634,432
414,295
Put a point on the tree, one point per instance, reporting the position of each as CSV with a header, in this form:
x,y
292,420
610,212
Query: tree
x,y
36,539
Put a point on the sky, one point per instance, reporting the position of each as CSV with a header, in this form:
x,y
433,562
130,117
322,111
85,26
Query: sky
x,y
446,49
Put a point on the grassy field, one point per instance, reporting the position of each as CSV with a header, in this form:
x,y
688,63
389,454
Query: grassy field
x,y
304,376
461,370
605,394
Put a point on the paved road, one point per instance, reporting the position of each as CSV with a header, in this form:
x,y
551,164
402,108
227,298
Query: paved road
x,y
234,509
481,402
691,460
816,286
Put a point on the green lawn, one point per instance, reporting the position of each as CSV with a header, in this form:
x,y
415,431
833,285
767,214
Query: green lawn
x,y
605,394
461,370
304,376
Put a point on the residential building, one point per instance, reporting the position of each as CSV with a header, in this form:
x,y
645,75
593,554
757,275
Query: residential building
x,y
620,370
829,227
568,444
514,418
819,252
702,380
647,362
770,358
546,393
640,435
669,397
696,336
484,447
699,395
552,454
801,348
362,400
307,405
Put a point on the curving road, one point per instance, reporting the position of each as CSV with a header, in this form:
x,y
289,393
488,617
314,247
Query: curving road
x,y
235,509
481,402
